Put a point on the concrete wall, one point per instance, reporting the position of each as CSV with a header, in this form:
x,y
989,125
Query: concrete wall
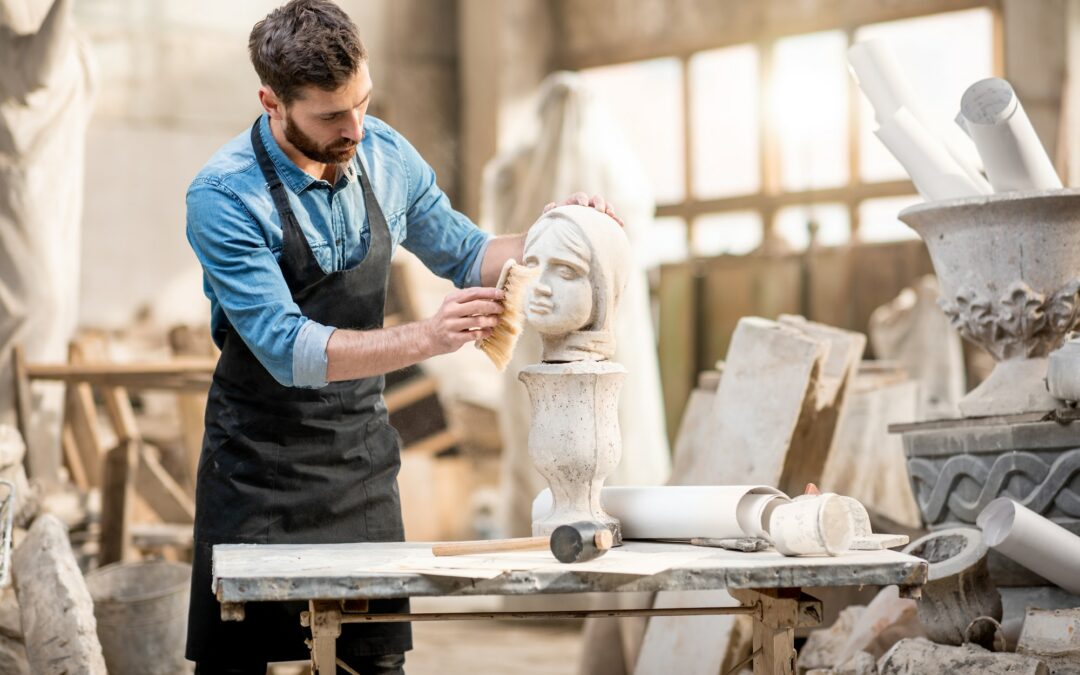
x,y
175,84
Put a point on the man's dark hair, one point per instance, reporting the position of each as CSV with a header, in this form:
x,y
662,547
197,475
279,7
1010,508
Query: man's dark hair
x,y
305,42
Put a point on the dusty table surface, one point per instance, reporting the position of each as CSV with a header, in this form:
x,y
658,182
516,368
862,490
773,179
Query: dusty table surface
x,y
253,572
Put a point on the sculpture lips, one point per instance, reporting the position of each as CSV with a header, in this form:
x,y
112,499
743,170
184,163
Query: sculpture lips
x,y
540,307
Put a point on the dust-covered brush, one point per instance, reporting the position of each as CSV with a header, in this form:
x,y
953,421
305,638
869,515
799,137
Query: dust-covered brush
x,y
499,346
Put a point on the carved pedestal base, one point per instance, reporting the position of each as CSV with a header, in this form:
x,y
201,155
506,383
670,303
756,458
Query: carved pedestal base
x,y
574,439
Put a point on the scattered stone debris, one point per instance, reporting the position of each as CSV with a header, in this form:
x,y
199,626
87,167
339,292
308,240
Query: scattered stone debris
x,y
919,656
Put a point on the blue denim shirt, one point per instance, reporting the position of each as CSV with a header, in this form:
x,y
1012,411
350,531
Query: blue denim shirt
x,y
237,236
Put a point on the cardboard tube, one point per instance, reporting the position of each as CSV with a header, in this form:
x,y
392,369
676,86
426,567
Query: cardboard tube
x,y
1042,546
936,175
882,80
1010,149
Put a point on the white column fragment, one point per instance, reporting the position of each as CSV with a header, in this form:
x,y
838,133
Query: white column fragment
x,y
1010,149
1042,546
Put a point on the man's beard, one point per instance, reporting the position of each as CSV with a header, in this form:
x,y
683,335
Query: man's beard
x,y
338,152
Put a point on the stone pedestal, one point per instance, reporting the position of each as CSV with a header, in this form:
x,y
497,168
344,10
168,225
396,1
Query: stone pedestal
x,y
574,439
957,467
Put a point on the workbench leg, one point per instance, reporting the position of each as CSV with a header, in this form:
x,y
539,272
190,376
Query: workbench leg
x,y
324,619
781,611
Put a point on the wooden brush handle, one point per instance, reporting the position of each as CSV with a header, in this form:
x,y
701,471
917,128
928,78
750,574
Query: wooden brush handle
x,y
490,546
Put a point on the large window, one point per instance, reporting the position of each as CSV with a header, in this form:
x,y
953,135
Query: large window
x,y
774,139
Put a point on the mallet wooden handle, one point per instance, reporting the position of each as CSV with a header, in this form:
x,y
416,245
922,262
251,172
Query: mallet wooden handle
x,y
490,546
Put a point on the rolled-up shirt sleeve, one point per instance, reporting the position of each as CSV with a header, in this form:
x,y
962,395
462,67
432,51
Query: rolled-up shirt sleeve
x,y
244,275
445,240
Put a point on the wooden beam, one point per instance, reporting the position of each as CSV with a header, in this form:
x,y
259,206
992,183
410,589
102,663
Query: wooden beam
x,y
718,25
764,201
158,489
410,392
187,374
80,414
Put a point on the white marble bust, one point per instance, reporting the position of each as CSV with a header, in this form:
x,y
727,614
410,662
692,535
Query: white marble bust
x,y
581,257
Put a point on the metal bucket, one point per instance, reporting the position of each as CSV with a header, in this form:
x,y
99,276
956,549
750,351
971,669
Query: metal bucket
x,y
141,610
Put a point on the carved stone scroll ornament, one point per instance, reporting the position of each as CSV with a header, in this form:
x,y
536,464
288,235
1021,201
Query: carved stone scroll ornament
x,y
1022,323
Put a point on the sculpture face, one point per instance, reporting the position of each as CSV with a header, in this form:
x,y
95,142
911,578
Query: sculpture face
x,y
560,299
581,257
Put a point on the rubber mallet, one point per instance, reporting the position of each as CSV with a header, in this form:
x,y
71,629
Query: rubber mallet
x,y
576,542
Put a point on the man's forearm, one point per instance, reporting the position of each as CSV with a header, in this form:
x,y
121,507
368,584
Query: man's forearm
x,y
498,252
353,354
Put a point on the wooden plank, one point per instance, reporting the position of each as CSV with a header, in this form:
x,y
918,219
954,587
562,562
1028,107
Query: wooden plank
x,y
118,502
191,406
410,392
435,443
161,492
72,458
81,415
677,334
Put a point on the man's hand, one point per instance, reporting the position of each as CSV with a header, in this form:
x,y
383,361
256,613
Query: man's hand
x,y
465,315
582,199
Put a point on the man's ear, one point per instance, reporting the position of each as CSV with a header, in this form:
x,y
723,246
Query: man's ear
x,y
271,103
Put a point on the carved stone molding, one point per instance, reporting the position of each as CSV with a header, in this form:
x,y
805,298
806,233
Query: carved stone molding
x,y
957,488
1022,323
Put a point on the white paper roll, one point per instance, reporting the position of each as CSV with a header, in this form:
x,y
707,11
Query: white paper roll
x,y
881,78
935,173
1010,149
682,512
1042,546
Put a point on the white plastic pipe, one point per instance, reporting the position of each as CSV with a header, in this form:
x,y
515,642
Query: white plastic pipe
x,y
935,173
1010,149
1042,546
682,511
882,80
808,525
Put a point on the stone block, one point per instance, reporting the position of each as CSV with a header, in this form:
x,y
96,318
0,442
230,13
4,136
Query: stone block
x,y
56,609
1053,636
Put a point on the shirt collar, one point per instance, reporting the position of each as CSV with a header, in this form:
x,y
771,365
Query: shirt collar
x,y
290,174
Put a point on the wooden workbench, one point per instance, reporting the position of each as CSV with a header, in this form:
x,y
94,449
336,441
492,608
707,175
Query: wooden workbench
x,y
337,580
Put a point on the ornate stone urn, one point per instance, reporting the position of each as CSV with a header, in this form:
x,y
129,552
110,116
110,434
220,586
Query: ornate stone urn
x,y
580,257
1009,269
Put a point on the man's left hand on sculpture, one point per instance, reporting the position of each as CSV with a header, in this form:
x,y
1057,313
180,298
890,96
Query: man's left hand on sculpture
x,y
583,199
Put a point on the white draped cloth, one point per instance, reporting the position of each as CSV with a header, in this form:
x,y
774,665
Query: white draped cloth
x,y
45,105
577,147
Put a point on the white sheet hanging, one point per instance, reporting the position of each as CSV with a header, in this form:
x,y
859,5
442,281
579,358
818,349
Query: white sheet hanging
x,y
577,147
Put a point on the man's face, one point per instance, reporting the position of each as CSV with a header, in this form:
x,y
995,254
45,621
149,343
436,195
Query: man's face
x,y
326,126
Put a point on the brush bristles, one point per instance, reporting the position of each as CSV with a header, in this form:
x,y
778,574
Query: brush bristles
x,y
499,346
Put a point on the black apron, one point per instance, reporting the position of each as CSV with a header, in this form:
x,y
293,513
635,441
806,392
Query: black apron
x,y
285,465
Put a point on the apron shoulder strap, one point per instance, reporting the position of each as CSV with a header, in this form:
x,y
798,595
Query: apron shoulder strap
x,y
273,182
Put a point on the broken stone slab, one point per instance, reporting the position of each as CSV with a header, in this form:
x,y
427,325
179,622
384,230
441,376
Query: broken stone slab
x,y
873,629
918,656
958,588
860,664
57,613
1053,636
1016,601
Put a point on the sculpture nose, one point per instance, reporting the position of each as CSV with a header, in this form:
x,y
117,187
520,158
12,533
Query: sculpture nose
x,y
543,288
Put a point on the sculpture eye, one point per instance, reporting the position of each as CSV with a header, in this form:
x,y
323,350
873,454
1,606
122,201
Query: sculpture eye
x,y
531,261
567,272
